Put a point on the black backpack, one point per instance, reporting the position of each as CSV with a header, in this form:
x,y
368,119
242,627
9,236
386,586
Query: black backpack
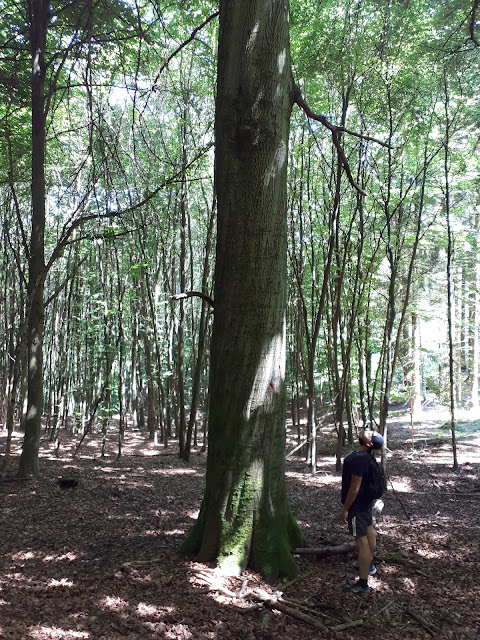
x,y
374,480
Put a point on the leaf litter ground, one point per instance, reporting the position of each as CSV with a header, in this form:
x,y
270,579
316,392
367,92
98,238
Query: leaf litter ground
x,y
99,561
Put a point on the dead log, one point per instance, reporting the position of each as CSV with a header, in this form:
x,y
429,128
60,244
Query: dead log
x,y
323,552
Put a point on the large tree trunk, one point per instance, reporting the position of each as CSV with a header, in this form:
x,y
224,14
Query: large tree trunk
x,y
244,517
36,259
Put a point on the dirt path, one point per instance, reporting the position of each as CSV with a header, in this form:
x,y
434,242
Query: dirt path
x,y
99,561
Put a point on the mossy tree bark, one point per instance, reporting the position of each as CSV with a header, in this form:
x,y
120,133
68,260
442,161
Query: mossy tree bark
x,y
244,518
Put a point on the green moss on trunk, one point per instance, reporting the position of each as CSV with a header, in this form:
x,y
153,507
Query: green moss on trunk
x,y
248,534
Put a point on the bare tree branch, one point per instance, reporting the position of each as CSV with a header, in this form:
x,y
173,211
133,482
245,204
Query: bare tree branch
x,y
335,131
182,46
192,294
68,229
63,284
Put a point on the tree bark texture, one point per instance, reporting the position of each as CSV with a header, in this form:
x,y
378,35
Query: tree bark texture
x,y
244,517
36,259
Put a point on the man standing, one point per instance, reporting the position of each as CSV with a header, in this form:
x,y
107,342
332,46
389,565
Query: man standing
x,y
357,506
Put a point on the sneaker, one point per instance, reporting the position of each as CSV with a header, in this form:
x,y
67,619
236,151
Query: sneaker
x,y
356,588
373,569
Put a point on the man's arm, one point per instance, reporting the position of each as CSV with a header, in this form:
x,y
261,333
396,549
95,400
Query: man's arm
x,y
355,483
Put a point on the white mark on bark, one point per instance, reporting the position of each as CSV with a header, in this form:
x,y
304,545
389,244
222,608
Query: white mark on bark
x,y
32,412
256,105
278,161
36,63
33,363
270,374
253,37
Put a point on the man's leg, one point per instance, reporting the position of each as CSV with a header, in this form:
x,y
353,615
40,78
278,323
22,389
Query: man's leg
x,y
365,556
372,539
358,525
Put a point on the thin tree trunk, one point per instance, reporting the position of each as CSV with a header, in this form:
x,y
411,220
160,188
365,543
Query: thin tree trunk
x,y
201,337
29,465
182,427
451,363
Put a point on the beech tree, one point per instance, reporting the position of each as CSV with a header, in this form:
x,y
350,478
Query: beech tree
x,y
38,19
244,517
128,138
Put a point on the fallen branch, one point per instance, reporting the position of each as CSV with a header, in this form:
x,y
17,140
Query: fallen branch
x,y
385,607
276,603
294,613
360,605
304,607
323,552
141,563
430,628
299,446
223,591
297,579
347,625
272,601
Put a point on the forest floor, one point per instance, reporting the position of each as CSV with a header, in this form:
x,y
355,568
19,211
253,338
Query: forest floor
x,y
99,561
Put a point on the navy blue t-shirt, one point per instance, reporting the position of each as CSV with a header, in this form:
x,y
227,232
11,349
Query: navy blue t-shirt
x,y
356,463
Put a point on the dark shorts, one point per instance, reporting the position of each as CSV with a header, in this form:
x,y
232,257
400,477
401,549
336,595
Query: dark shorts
x,y
358,523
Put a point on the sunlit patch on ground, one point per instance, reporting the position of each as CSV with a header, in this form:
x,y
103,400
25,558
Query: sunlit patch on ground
x,y
70,557
180,631
15,577
431,553
55,633
147,610
23,555
401,485
141,578
320,478
176,472
63,582
408,585
113,603
122,517
174,532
